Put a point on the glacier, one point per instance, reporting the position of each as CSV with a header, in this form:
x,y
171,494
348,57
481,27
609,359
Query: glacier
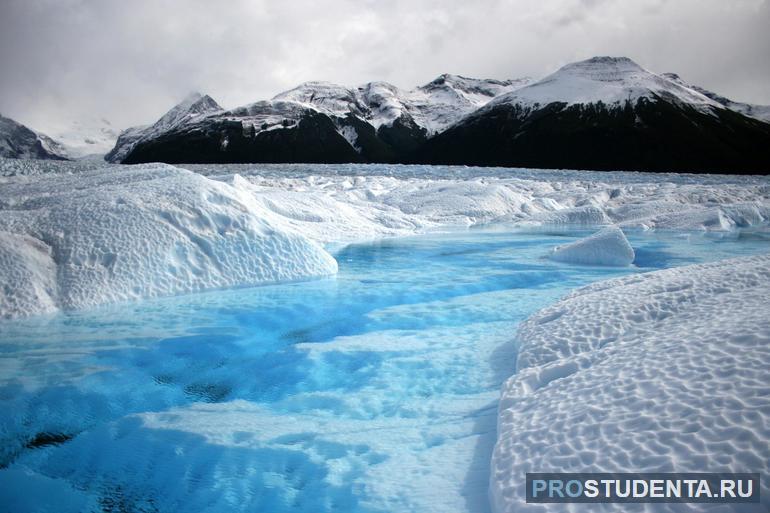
x,y
86,234
380,392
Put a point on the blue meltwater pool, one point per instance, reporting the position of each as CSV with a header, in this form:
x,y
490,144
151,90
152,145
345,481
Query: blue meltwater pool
x,y
372,391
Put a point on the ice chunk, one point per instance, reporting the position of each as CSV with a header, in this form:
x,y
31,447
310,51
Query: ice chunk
x,y
27,274
119,234
645,373
608,246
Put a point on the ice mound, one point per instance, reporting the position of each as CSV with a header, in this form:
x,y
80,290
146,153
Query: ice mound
x,y
651,372
608,246
28,275
74,241
328,218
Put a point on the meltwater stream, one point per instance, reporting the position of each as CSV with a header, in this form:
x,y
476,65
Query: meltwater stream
x,y
373,391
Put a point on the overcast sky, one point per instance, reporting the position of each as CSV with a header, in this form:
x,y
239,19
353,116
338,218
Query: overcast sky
x,y
129,61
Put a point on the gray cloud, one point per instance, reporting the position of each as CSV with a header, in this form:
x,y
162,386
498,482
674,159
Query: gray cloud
x,y
129,61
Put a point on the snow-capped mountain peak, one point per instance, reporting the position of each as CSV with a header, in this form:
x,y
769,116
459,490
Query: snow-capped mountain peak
x,y
472,90
385,102
605,113
609,80
193,105
448,98
19,141
460,120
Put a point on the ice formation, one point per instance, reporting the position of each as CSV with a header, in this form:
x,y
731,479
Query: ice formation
x,y
28,275
608,246
119,234
244,225
342,208
649,372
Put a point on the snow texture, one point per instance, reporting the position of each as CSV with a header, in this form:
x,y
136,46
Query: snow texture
x,y
28,275
339,208
115,234
664,371
608,246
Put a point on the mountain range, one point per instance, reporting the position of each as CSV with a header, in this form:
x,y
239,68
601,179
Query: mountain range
x,y
604,113
314,122
608,113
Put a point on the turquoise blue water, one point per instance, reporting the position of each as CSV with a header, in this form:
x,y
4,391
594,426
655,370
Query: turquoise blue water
x,y
371,391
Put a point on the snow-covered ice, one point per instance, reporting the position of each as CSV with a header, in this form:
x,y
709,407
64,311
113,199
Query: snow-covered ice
x,y
73,241
664,371
28,275
117,233
609,246
395,200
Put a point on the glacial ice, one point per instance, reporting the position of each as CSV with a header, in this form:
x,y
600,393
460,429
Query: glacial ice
x,y
664,371
116,233
28,276
609,246
356,418
111,235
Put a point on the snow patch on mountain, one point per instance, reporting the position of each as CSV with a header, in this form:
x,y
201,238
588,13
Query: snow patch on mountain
x,y
433,106
84,137
267,115
447,99
351,136
331,99
760,112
